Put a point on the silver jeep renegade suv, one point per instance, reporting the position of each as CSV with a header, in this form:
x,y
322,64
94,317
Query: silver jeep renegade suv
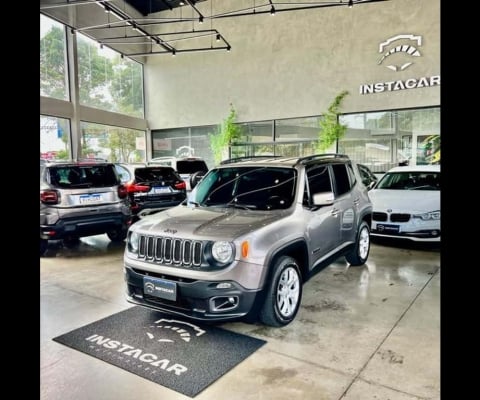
x,y
81,198
253,231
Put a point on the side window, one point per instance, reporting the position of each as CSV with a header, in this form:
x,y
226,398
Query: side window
x,y
351,175
342,182
318,181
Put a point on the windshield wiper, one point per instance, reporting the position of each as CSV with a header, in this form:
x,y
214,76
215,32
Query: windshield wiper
x,y
241,206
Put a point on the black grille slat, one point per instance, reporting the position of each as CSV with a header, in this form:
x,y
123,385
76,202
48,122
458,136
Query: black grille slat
x,y
167,250
379,216
176,251
141,246
150,247
187,252
197,253
399,217
159,249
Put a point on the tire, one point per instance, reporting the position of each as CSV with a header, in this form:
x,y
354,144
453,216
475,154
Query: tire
x,y
284,294
43,246
117,235
359,254
195,178
71,241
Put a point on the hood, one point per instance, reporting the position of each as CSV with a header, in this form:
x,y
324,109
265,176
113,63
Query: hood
x,y
405,201
206,223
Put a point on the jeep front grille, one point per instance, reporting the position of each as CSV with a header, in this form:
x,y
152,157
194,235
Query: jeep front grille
x,y
167,250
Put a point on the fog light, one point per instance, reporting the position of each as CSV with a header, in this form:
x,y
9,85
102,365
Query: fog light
x,y
224,285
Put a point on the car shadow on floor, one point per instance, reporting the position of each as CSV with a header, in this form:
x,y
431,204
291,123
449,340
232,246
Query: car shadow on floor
x,y
86,247
407,244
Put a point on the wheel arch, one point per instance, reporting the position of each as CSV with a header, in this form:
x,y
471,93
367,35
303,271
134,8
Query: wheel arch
x,y
298,250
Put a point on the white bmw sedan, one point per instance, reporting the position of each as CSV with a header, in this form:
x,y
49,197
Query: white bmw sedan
x,y
406,204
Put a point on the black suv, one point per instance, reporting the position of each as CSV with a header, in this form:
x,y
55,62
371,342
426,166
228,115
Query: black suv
x,y
155,189
81,199
252,232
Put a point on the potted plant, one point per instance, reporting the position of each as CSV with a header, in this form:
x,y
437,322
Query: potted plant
x,y
331,129
227,132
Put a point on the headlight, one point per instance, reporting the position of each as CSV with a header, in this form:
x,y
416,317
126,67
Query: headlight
x,y
222,252
433,215
132,244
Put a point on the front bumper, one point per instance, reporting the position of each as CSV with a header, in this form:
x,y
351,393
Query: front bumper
x,y
196,299
418,232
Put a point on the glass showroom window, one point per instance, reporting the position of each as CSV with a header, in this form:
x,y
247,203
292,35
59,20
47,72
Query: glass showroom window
x,y
112,143
54,138
182,142
297,137
53,62
107,81
383,140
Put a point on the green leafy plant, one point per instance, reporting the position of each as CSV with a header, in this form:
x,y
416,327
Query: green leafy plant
x,y
330,129
227,132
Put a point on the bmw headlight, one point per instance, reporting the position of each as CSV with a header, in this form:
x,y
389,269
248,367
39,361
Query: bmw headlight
x,y
133,239
222,252
432,215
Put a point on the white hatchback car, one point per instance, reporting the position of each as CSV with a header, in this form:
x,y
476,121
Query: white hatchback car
x,y
406,203
191,169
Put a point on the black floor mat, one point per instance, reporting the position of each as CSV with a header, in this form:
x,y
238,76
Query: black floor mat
x,y
177,353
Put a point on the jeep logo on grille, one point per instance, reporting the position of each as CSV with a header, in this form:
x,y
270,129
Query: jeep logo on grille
x,y
172,231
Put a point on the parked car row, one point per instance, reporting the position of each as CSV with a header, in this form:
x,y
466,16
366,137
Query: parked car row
x,y
93,196
252,232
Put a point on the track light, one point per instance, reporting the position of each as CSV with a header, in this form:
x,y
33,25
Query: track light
x,y
228,48
272,11
174,53
121,56
182,3
72,31
107,9
350,3
218,37
101,45
200,19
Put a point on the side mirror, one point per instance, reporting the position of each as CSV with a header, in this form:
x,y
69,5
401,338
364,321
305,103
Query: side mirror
x,y
323,199
371,185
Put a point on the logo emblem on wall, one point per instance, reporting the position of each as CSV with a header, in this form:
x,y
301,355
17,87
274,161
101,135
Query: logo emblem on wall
x,y
180,330
405,46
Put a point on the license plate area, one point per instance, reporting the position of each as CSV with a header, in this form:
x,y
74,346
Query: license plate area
x,y
160,288
90,198
387,228
161,189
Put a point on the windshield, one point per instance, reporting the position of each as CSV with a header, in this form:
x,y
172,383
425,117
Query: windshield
x,y
263,188
412,180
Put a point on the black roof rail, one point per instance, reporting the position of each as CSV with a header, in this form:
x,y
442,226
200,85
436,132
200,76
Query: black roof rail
x,y
322,156
246,158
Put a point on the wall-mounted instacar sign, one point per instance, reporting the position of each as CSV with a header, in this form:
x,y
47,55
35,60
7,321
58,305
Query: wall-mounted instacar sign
x,y
397,54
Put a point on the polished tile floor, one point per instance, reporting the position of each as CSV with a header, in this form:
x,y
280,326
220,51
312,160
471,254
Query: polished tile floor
x,y
370,332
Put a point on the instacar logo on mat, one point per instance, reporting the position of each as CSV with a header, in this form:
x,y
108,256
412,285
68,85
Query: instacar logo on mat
x,y
165,326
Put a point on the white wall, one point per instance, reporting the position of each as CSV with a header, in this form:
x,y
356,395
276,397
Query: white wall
x,y
294,64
